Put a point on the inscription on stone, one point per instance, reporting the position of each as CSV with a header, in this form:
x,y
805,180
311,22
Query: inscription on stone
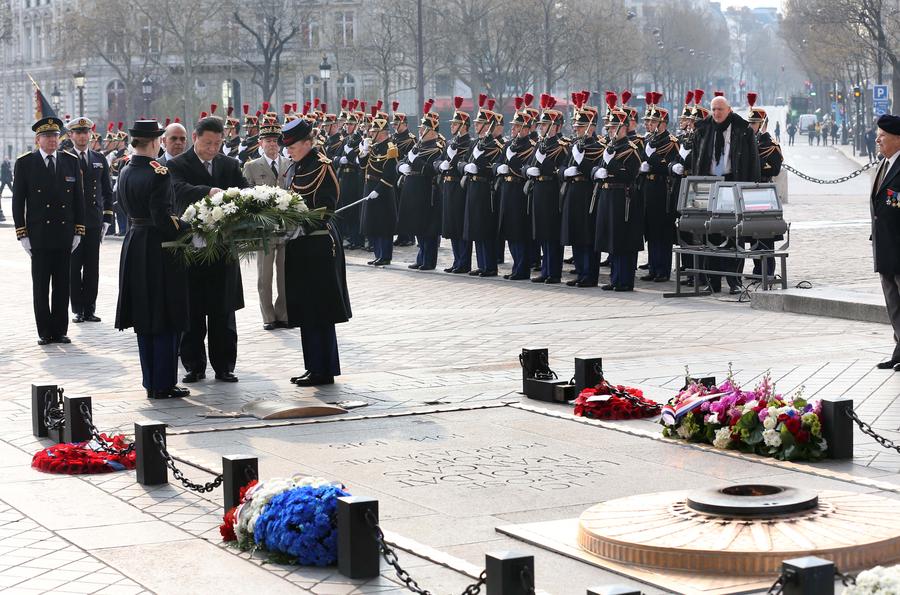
x,y
492,466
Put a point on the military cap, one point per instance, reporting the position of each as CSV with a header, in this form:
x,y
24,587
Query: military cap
x,y
50,124
548,113
687,110
379,119
80,123
146,129
615,115
270,128
757,114
889,123
430,119
699,112
296,131
459,117
398,116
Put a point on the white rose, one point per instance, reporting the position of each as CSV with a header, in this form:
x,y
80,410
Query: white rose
x,y
217,214
189,213
772,438
723,437
217,199
770,423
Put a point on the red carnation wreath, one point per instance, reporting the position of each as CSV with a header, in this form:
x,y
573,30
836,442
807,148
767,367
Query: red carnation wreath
x,y
85,458
607,401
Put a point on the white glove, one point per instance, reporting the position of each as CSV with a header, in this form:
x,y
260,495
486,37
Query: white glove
x,y
412,155
373,194
445,165
608,155
601,174
649,150
26,243
684,152
502,169
577,153
539,156
75,241
532,171
645,167
364,147
404,169
103,231
476,152
347,149
294,234
510,153
471,168
678,169
343,160
451,152
198,242
571,171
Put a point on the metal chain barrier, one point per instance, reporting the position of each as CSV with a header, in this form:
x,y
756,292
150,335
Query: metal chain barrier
x,y
870,432
846,579
778,586
840,180
54,417
641,405
170,463
100,440
390,556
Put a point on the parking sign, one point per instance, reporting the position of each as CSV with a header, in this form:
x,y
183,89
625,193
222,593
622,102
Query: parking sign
x,y
880,92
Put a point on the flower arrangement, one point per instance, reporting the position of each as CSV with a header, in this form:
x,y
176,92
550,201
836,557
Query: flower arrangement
x,y
293,519
607,401
876,581
241,221
759,421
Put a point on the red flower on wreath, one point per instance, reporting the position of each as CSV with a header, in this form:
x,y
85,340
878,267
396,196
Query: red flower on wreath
x,y
226,529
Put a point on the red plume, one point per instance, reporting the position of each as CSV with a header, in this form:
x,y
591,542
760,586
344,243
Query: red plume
x,y
203,115
698,95
265,106
177,120
457,102
168,121
611,99
751,99
94,127
258,113
718,94
246,108
585,95
576,98
213,107
362,106
527,99
354,104
552,102
518,103
121,125
294,107
324,107
395,105
426,108
378,104
286,108
490,104
374,110
344,103
316,102
306,107
626,95
543,103
110,127
482,97
230,110
689,97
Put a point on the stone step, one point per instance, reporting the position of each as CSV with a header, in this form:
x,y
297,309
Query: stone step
x,y
835,302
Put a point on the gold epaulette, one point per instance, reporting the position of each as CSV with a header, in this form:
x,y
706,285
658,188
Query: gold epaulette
x,y
70,153
21,232
392,151
159,168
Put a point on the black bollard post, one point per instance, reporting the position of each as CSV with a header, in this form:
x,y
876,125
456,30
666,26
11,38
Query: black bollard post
x,y
707,381
588,372
509,573
150,464
613,590
358,550
808,576
76,428
837,427
533,360
39,397
237,471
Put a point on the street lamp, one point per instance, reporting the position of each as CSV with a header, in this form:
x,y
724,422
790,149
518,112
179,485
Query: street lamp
x,y
78,79
324,74
147,93
56,98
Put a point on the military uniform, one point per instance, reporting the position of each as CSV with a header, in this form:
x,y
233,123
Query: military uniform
x,y
453,196
249,146
577,219
84,272
48,211
619,209
770,160
232,144
660,149
153,289
420,200
350,177
543,173
317,296
379,164
514,216
404,142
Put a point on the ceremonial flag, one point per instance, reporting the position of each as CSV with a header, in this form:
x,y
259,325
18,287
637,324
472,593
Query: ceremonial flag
x,y
42,107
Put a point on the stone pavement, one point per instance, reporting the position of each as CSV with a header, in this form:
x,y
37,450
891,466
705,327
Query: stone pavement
x,y
444,349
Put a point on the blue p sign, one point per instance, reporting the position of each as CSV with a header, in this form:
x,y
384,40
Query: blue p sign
x,y
880,92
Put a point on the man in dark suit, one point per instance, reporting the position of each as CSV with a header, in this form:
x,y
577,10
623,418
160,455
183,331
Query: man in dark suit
x,y
48,210
885,209
215,289
98,215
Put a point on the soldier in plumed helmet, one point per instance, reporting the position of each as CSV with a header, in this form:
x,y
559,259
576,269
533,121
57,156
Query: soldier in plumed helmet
x,y
249,146
345,162
577,219
514,217
619,208
404,140
232,142
550,153
770,160
378,157
420,201
453,196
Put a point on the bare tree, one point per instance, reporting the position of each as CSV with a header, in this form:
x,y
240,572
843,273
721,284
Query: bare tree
x,y
270,33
